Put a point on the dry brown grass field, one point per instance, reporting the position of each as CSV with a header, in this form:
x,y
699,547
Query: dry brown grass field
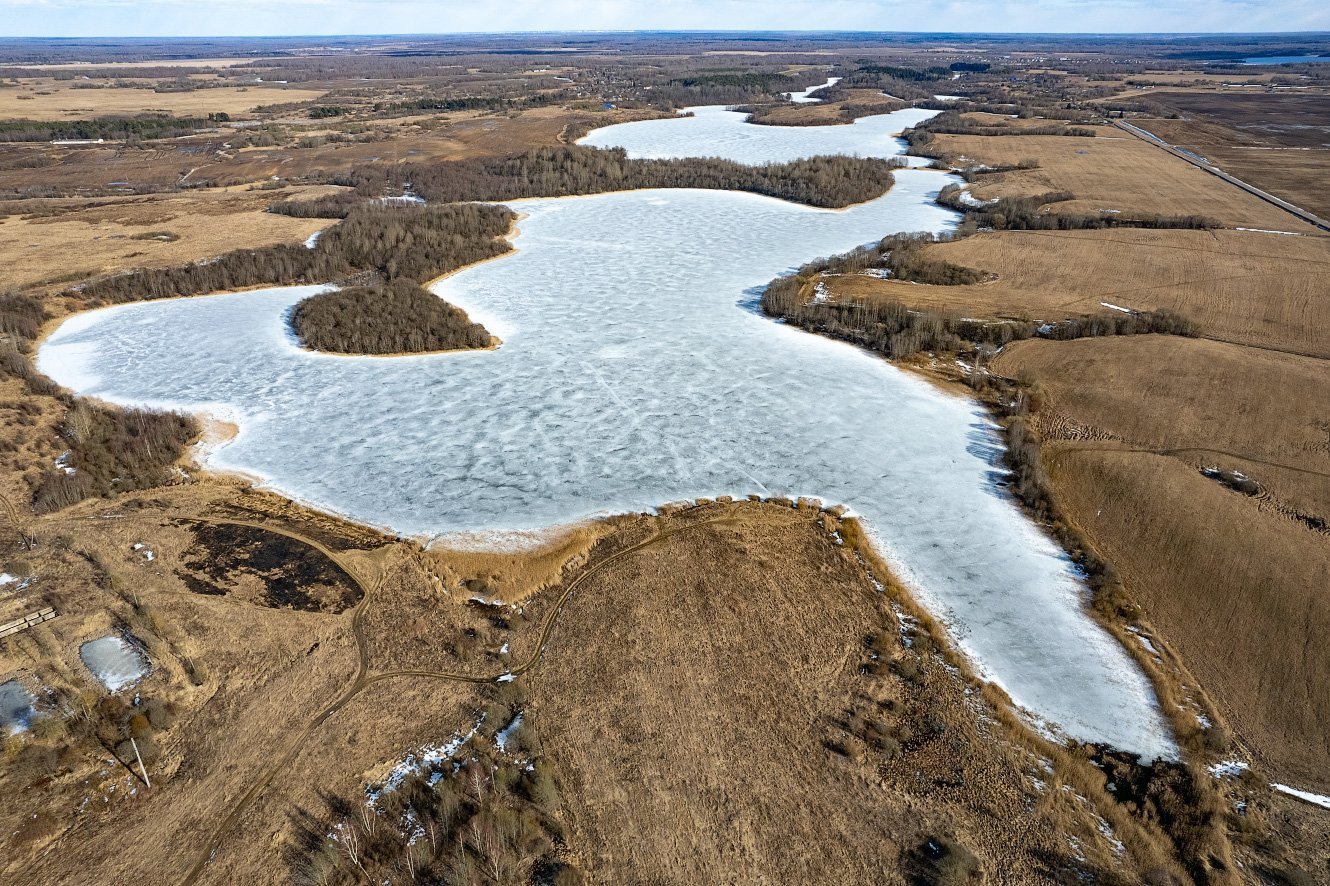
x,y
707,698
54,242
1113,171
1268,290
43,99
1276,141
1235,581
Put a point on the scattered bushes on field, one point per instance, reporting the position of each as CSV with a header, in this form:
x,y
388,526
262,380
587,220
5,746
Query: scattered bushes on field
x,y
113,450
396,318
488,815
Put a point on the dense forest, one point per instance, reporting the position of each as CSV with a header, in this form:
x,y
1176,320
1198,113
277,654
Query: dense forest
x,y
396,318
103,127
413,242
826,182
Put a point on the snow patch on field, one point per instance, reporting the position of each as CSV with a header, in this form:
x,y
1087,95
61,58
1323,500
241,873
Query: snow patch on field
x,y
1308,796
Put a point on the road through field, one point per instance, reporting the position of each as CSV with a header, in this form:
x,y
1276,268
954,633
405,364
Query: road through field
x,y
1200,163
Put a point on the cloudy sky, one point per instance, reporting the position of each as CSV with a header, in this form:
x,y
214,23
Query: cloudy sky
x,y
256,17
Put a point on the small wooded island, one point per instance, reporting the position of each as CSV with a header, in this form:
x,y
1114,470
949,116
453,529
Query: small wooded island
x,y
399,317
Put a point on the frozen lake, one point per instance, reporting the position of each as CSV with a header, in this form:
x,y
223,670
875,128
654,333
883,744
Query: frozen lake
x,y
714,131
635,370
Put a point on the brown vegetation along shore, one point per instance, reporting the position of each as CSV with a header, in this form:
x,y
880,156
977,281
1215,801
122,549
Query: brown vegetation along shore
x,y
827,182
396,318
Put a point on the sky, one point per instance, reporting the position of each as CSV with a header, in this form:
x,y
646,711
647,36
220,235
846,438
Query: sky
x,y
155,18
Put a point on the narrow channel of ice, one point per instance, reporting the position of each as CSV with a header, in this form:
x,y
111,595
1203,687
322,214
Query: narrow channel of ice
x,y
636,370
807,95
312,240
114,661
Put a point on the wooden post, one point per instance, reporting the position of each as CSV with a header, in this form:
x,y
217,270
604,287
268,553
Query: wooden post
x,y
142,769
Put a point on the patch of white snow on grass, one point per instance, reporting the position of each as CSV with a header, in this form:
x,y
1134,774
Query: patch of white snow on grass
x,y
1228,769
426,757
1117,307
506,735
1308,796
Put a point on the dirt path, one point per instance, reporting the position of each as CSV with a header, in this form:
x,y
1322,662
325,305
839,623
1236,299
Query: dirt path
x,y
364,679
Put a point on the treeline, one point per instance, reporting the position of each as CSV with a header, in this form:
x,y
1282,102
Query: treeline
x,y
924,76
1024,214
722,88
474,102
329,206
106,127
897,331
414,242
950,122
113,450
396,318
828,182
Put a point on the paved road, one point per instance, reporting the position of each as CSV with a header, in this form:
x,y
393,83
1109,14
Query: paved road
x,y
1201,163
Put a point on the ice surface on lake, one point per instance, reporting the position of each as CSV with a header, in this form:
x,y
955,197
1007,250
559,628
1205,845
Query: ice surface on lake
x,y
114,662
15,708
714,131
636,370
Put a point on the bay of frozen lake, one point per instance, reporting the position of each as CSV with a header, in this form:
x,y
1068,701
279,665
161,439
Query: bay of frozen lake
x,y
636,370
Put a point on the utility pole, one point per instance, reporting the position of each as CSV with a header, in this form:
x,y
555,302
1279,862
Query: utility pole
x,y
142,769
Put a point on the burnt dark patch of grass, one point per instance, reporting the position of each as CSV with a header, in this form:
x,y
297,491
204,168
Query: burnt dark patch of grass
x,y
291,574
